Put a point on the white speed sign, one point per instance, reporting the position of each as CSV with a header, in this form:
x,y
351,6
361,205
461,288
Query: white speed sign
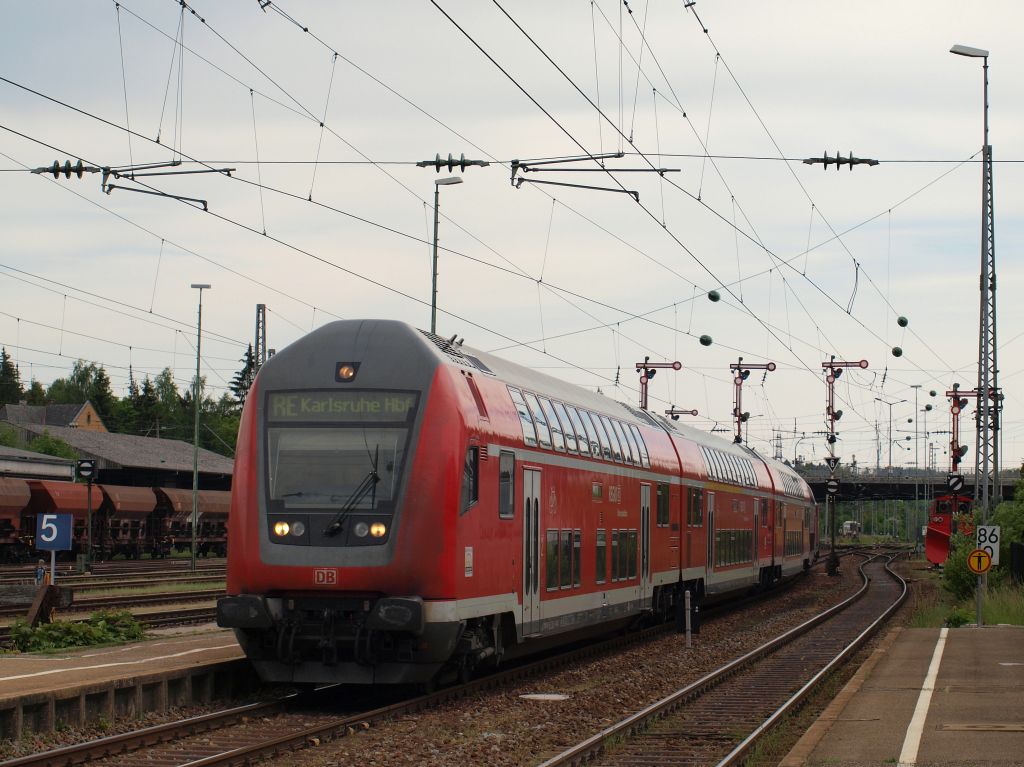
x,y
988,539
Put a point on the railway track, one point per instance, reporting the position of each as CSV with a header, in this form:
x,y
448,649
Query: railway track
x,y
177,617
239,736
69,576
91,604
720,717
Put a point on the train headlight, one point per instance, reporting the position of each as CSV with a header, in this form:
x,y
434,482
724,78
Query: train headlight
x,y
281,529
378,529
298,529
361,529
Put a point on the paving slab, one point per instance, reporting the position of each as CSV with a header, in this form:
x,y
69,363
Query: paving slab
x,y
972,713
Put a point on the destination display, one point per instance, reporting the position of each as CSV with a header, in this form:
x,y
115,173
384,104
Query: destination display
x,y
341,406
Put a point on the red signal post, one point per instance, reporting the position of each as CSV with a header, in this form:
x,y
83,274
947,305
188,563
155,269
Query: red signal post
x,y
647,369
833,369
741,373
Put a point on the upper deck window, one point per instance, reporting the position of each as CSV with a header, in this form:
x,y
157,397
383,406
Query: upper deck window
x,y
640,444
525,419
556,429
568,429
602,438
588,425
612,438
628,449
543,433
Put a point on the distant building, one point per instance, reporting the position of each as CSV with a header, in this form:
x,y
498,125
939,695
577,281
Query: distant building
x,y
82,416
128,459
29,465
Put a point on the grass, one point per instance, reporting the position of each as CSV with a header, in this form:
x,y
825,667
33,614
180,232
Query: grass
x,y
1004,605
934,607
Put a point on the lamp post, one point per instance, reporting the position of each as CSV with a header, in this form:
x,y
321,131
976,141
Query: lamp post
x,y
438,183
195,435
986,469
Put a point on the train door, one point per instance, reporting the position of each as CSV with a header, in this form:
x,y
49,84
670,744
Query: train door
x,y
531,550
645,539
710,521
755,537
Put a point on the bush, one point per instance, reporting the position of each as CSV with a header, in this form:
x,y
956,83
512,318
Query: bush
x,y
956,576
100,628
958,617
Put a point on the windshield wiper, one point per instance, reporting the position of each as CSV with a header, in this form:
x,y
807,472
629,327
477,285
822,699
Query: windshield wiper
x,y
368,484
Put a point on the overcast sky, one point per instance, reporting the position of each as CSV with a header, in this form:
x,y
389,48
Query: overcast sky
x,y
580,283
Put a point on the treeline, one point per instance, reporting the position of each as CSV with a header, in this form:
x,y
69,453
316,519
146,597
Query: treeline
x,y
153,407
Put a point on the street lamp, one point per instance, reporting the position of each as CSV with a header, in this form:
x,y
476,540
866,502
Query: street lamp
x,y
438,183
890,404
987,452
195,436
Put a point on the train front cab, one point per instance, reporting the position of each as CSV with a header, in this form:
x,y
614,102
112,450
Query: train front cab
x,y
342,565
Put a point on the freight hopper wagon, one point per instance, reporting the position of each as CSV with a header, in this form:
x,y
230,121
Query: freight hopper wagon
x,y
405,508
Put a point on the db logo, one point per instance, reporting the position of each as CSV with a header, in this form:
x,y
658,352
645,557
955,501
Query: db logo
x,y
937,520
325,576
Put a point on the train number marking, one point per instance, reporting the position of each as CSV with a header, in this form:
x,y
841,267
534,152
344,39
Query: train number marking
x,y
325,576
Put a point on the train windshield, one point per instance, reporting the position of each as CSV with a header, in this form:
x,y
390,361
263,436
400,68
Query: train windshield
x,y
323,446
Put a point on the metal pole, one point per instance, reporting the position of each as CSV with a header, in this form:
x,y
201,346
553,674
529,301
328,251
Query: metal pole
x,y
433,284
88,523
195,434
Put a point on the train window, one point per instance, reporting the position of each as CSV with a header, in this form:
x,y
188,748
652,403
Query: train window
x,y
696,512
624,554
663,497
640,444
568,430
565,560
627,434
481,408
764,512
601,562
581,433
596,491
592,434
529,432
556,429
627,449
736,506
577,547
551,565
615,555
602,436
470,479
506,485
780,513
543,435
633,554
613,440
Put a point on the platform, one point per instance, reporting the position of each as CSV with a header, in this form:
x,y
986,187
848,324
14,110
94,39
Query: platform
x,y
40,691
927,697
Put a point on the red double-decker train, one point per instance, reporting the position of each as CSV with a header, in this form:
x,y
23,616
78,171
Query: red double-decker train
x,y
405,508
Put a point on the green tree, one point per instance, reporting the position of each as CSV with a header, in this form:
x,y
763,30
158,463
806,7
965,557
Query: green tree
x,y
243,378
1009,515
35,394
50,445
10,380
9,436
